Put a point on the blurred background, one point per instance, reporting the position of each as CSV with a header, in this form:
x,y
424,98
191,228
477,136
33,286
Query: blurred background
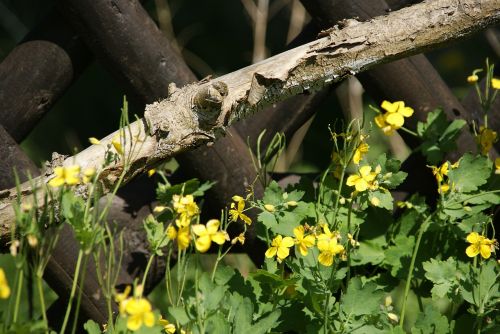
x,y
215,37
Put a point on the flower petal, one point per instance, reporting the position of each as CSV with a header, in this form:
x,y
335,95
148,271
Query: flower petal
x,y
203,243
213,226
395,119
472,251
219,238
199,229
287,242
485,251
271,251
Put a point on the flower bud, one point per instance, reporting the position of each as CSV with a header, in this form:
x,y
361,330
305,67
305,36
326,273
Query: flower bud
x,y
269,207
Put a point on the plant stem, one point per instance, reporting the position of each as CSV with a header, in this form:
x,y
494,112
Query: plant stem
x,y
413,133
73,290
79,298
423,228
42,301
18,295
148,266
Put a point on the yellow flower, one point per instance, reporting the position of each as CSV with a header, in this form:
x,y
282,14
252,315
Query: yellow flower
x,y
497,166
4,285
440,172
444,188
167,326
240,238
364,179
479,245
360,151
185,205
328,246
122,298
151,172
291,203
495,83
88,174
183,221
237,210
207,234
65,175
396,112
94,141
116,141
393,119
472,78
183,238
485,139
303,242
171,232
139,312
280,247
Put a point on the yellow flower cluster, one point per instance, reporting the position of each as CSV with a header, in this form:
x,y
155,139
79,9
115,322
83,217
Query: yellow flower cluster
x,y
137,309
207,234
187,209
70,175
479,245
4,285
441,174
364,179
360,151
237,209
327,244
485,139
393,118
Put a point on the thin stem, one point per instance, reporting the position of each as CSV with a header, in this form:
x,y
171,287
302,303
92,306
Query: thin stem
x,y
148,266
349,213
80,291
42,301
421,231
18,295
410,132
73,290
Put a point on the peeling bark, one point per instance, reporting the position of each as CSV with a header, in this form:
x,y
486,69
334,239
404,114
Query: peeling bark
x,y
342,51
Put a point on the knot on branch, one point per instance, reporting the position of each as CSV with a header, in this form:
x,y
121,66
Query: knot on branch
x,y
207,103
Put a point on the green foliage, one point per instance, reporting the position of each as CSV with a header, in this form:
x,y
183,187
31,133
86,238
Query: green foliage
x,y
438,135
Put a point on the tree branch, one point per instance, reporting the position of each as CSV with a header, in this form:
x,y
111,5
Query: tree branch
x,y
197,114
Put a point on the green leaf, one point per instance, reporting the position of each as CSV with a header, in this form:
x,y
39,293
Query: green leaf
x,y
266,323
481,285
444,275
217,323
385,199
398,255
179,314
164,192
472,172
369,251
273,194
92,327
431,321
369,295
438,135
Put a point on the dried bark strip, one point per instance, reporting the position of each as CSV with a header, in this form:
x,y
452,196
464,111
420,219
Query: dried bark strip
x,y
199,113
